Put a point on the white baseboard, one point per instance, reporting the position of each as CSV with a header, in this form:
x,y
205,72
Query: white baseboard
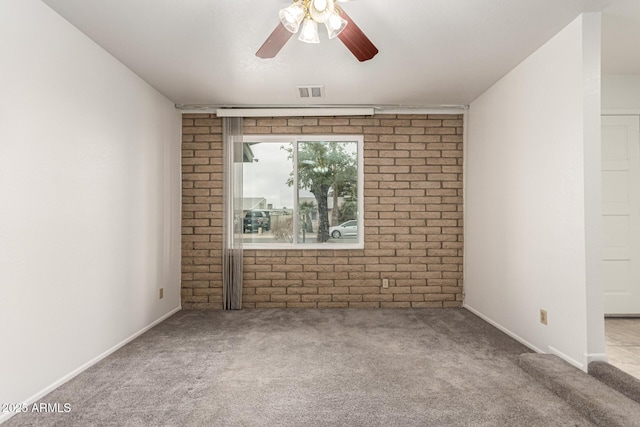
x,y
596,357
503,329
577,364
566,358
5,416
588,358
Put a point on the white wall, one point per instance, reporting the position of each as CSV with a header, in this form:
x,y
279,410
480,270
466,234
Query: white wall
x,y
532,198
89,201
621,92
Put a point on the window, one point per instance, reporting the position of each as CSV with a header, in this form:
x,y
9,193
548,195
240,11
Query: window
x,y
302,191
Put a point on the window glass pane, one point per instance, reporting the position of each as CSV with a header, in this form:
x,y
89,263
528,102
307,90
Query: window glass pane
x,y
327,175
267,193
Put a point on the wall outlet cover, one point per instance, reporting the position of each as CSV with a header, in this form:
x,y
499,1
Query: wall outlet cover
x,y
543,316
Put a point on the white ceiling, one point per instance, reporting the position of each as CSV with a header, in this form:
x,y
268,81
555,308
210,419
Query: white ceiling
x,y
432,52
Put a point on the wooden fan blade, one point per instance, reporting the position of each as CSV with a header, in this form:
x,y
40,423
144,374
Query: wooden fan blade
x,y
278,38
355,40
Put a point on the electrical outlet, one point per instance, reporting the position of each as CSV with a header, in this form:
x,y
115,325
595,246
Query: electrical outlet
x,y
385,283
161,293
543,316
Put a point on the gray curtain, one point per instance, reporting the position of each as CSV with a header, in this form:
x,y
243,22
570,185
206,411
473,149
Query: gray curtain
x,y
232,220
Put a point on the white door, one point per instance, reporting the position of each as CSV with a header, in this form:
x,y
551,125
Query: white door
x,y
621,214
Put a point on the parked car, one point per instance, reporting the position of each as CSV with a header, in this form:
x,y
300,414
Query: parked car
x,y
253,220
346,229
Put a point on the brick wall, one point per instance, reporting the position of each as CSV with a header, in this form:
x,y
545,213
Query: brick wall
x,y
413,219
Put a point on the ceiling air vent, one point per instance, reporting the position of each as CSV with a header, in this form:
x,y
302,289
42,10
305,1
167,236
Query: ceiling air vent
x,y
315,91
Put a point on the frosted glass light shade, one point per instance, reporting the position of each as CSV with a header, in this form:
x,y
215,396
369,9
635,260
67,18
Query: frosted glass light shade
x,y
292,16
335,24
309,31
321,10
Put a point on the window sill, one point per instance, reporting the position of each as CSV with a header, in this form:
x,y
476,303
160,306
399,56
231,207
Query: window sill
x,y
302,246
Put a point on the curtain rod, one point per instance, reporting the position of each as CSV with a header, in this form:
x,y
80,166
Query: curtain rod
x,y
284,112
275,111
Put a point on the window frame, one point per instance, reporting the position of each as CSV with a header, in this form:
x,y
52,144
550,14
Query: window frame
x,y
294,140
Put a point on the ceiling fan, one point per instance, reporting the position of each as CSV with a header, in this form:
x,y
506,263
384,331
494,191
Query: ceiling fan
x,y
306,15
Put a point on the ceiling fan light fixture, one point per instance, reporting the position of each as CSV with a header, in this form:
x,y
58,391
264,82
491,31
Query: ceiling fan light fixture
x,y
335,24
309,31
292,16
321,10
